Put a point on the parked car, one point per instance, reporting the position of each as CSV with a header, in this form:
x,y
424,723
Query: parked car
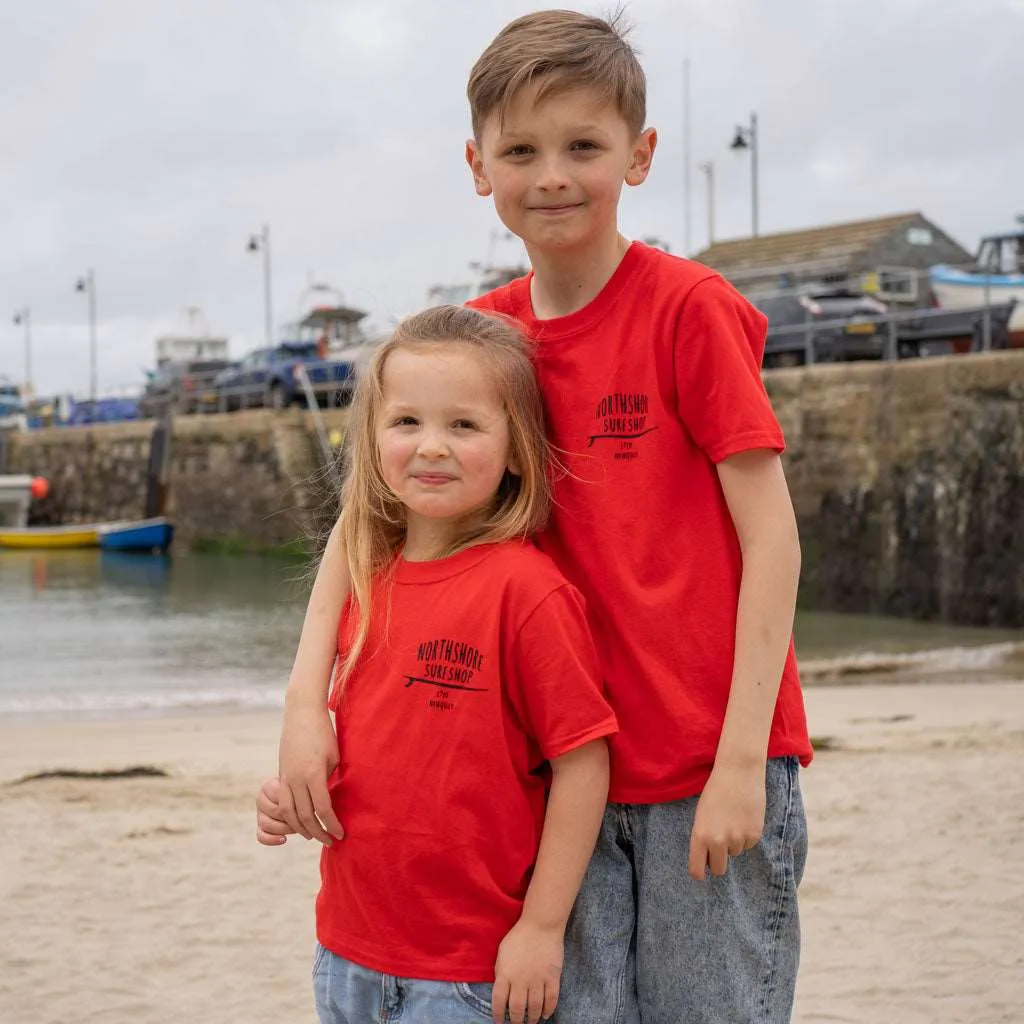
x,y
272,377
858,338
179,386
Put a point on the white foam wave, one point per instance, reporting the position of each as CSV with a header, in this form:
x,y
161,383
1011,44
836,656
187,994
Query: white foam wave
x,y
115,703
940,661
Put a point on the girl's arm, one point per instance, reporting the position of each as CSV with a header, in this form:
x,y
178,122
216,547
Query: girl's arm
x,y
529,963
308,750
730,814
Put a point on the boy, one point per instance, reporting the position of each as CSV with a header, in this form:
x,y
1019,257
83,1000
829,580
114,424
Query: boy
x,y
675,521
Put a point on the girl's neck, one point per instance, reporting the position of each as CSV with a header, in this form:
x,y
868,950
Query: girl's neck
x,y
565,282
430,539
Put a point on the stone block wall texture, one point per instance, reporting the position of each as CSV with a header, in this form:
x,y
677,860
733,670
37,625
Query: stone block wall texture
x,y
908,480
251,479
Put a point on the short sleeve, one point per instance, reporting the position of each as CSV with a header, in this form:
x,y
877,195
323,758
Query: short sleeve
x,y
719,344
553,681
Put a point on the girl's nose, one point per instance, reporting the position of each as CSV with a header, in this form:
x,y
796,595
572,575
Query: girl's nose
x,y
432,445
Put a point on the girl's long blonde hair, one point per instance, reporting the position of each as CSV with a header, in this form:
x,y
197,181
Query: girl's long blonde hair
x,y
373,522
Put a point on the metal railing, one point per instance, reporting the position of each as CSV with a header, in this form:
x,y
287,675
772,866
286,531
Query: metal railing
x,y
903,335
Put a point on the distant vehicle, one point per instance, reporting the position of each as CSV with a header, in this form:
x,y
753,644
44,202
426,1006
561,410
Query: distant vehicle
x,y
858,338
179,386
272,378
103,410
10,399
855,331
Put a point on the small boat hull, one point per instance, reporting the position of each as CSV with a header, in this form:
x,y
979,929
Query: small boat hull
x,y
960,289
145,535
142,535
49,537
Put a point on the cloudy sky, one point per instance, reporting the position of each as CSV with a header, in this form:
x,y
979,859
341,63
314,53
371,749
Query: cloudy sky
x,y
149,138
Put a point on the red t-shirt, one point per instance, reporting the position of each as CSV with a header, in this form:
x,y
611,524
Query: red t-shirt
x,y
483,672
647,388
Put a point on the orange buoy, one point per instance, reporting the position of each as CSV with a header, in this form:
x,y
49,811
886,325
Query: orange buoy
x,y
40,487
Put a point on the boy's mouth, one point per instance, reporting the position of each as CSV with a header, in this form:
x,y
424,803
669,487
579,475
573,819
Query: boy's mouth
x,y
554,210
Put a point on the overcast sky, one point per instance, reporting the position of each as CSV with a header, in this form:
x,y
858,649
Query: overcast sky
x,y
149,138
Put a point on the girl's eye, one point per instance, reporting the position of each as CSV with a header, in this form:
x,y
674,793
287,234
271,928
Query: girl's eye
x,y
464,425
404,421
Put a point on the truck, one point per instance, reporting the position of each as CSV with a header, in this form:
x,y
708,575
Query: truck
x,y
272,377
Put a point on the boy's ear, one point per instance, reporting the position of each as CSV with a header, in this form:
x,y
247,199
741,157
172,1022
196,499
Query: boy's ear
x,y
476,165
643,154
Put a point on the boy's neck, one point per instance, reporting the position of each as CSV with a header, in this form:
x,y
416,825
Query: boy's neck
x,y
565,282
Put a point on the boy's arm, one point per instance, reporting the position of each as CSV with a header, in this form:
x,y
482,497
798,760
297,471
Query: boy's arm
x,y
730,813
308,750
529,965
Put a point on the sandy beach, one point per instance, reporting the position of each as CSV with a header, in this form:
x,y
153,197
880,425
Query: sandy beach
x,y
148,901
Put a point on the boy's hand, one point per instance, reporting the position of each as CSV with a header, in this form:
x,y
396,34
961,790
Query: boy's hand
x,y
729,819
270,829
308,754
527,973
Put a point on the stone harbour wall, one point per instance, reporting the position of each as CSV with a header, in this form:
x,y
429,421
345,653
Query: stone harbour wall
x,y
908,480
245,481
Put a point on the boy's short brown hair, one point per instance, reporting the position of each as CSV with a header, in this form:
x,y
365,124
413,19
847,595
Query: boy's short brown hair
x,y
567,50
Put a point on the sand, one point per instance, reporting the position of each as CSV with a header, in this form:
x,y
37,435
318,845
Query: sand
x,y
148,901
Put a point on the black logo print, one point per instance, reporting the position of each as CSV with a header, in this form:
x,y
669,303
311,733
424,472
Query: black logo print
x,y
623,416
447,665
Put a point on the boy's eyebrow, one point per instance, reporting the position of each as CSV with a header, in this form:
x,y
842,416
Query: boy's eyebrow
x,y
576,129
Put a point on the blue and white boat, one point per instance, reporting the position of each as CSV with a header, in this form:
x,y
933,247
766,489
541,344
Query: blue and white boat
x,y
143,535
997,277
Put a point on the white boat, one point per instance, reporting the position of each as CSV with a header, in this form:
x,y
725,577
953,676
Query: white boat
x,y
997,277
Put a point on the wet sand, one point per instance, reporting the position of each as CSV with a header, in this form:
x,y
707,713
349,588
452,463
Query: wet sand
x,y
146,901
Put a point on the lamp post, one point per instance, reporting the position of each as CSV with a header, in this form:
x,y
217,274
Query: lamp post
x,y
708,167
87,285
746,138
23,318
261,243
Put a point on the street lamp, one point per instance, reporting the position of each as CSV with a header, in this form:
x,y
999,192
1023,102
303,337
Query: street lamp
x,y
746,138
23,318
87,285
261,243
708,167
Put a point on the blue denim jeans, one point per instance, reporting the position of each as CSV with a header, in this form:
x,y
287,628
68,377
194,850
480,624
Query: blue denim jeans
x,y
649,945
349,994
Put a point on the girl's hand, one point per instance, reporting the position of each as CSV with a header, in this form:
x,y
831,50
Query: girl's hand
x,y
270,829
307,755
527,973
729,818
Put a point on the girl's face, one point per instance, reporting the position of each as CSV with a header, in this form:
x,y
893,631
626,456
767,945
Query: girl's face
x,y
443,439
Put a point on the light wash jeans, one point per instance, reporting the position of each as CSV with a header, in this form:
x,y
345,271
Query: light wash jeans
x,y
349,994
649,945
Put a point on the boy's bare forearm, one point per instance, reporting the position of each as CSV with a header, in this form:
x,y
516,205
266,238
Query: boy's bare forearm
x,y
764,625
318,643
576,804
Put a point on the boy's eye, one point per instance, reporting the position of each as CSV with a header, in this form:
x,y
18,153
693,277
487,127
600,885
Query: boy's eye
x,y
519,150
583,144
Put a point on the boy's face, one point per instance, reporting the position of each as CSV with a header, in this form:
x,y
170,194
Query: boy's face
x,y
556,167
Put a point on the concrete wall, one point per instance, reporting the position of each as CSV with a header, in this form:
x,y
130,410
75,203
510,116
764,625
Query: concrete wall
x,y
908,479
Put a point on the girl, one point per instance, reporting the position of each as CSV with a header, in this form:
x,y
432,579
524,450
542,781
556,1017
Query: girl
x,y
472,772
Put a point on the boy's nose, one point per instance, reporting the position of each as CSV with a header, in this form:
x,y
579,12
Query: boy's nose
x,y
552,177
